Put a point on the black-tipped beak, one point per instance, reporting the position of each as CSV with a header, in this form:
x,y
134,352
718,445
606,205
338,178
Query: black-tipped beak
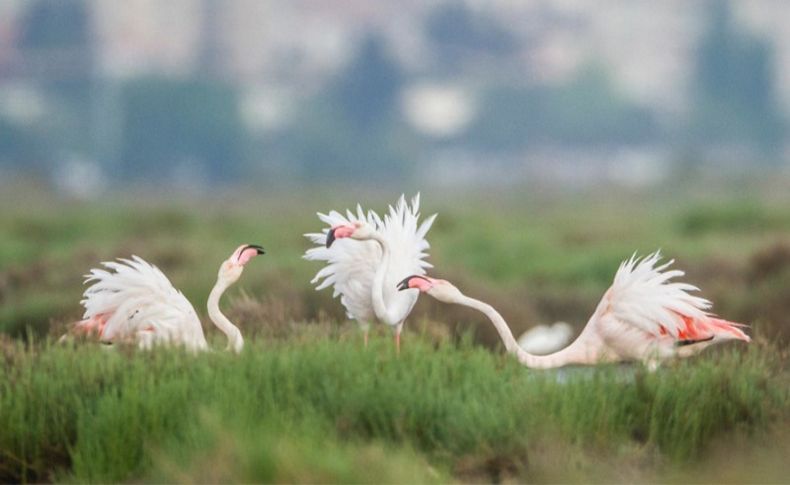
x,y
330,237
256,247
404,285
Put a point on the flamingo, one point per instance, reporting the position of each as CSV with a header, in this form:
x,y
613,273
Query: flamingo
x,y
544,339
136,302
366,257
643,317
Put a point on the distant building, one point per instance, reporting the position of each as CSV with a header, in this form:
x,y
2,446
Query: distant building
x,y
648,45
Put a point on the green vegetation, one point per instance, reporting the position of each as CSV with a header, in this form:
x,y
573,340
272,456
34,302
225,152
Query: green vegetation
x,y
326,410
306,402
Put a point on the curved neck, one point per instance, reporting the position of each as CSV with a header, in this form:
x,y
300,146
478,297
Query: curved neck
x,y
571,354
377,290
235,341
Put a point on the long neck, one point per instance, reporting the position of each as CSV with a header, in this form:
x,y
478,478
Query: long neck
x,y
235,341
573,354
377,291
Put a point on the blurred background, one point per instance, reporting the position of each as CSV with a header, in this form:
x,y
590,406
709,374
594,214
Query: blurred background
x,y
189,94
555,138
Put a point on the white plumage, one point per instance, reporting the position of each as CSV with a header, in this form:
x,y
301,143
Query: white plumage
x,y
643,296
353,262
545,339
643,316
133,301
350,266
139,302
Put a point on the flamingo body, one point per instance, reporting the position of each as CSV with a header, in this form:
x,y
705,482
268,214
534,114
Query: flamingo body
x,y
135,300
646,316
366,256
643,316
131,300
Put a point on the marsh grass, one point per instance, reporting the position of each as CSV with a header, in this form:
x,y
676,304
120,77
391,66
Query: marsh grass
x,y
548,260
305,402
325,410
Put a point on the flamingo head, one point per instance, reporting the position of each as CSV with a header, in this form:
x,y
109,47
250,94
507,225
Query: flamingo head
x,y
442,290
358,230
231,268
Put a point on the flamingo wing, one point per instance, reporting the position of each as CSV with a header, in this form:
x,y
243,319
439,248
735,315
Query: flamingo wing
x,y
405,235
132,298
645,302
351,265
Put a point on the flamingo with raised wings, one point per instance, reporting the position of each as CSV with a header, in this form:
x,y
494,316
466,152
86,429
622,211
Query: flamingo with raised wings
x,y
135,302
366,257
643,316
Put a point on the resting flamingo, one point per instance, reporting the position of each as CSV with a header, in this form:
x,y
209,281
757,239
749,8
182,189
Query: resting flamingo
x,y
367,256
135,302
543,339
643,316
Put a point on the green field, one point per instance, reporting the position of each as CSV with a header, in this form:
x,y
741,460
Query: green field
x,y
305,402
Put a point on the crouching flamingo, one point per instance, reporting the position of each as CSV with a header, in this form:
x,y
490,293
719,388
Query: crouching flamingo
x,y
367,256
643,316
544,339
135,302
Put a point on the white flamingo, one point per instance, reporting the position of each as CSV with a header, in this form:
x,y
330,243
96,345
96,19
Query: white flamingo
x,y
642,316
367,256
544,339
136,302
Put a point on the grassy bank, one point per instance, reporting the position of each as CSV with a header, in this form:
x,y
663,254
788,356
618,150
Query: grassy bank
x,y
325,410
536,260
305,402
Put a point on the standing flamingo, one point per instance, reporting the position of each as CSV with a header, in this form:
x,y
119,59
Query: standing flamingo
x,y
366,257
642,316
138,303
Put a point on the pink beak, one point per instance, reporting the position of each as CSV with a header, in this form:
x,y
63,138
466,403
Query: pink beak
x,y
247,252
422,283
338,232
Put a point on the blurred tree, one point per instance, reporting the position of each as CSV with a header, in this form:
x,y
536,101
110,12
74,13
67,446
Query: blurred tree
x,y
19,146
210,52
586,110
367,91
178,128
734,92
50,23
352,130
58,57
56,42
460,34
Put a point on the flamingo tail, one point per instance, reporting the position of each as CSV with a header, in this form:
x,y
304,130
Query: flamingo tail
x,y
728,330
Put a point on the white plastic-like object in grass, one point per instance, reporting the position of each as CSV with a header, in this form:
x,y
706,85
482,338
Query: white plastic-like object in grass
x,y
367,256
135,302
643,316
